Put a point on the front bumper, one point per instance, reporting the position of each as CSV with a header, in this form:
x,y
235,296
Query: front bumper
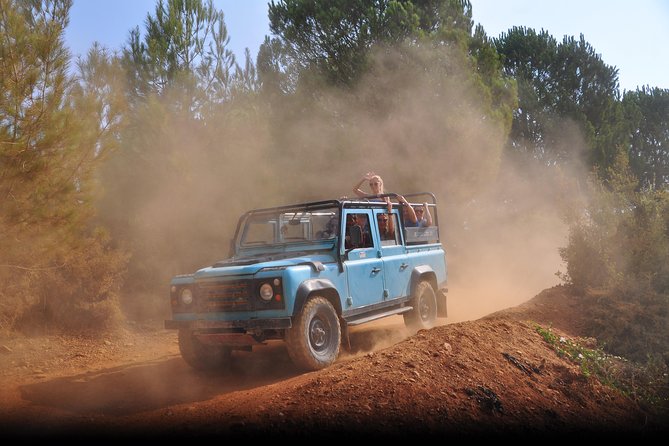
x,y
251,324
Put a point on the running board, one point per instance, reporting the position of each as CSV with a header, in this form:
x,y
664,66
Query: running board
x,y
375,316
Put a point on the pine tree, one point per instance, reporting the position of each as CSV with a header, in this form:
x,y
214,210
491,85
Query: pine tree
x,y
49,150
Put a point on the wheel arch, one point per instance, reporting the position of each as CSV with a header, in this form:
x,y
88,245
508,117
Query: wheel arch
x,y
322,287
420,273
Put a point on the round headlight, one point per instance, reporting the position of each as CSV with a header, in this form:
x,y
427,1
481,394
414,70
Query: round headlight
x,y
266,292
187,296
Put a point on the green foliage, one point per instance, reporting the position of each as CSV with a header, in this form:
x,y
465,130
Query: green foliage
x,y
563,88
647,114
40,153
99,96
632,326
52,139
333,39
334,42
619,245
185,47
620,241
646,383
591,361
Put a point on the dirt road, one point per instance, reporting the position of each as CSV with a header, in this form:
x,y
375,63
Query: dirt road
x,y
494,375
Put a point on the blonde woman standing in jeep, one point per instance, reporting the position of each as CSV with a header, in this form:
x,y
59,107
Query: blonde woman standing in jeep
x,y
375,184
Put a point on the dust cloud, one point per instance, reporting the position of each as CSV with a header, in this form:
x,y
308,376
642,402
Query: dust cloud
x,y
416,119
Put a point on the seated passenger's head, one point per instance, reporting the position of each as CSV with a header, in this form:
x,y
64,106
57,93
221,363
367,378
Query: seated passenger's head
x,y
383,221
420,211
331,225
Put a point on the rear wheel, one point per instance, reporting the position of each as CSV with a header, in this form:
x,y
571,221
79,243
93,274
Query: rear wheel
x,y
314,339
424,313
201,356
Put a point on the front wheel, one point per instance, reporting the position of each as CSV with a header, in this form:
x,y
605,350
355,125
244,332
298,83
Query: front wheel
x,y
424,313
314,339
202,356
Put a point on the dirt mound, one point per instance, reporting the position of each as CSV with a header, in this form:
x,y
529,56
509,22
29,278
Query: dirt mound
x,y
492,376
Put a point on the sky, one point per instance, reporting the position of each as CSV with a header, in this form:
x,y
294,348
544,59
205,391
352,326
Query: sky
x,y
632,36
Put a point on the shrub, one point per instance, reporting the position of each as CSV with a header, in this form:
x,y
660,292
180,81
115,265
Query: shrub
x,y
81,294
619,244
645,382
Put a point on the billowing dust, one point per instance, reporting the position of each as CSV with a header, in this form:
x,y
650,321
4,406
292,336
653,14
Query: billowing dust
x,y
414,122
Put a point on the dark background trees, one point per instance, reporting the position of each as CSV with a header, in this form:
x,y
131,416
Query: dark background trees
x,y
646,112
561,86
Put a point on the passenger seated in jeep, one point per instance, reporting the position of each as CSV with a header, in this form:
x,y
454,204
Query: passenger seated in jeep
x,y
366,232
358,234
330,231
423,216
386,227
354,237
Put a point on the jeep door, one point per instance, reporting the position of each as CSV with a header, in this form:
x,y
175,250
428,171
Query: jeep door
x,y
363,267
396,270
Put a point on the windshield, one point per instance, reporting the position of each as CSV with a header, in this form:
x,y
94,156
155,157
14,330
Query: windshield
x,y
290,226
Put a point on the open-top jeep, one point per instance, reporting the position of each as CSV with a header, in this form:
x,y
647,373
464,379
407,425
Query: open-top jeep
x,y
304,274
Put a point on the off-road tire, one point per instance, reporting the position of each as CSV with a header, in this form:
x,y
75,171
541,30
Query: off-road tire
x,y
202,356
424,313
314,339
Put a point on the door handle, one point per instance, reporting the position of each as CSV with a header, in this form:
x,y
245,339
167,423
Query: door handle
x,y
376,270
403,266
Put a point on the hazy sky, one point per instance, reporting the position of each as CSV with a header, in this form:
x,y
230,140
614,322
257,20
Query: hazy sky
x,y
631,36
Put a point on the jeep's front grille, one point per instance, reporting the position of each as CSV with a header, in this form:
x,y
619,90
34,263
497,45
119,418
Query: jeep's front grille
x,y
226,296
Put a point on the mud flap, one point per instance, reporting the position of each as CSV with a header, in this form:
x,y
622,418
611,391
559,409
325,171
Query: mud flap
x,y
345,339
442,310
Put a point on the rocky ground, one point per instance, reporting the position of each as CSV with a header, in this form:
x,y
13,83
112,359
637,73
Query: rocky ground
x,y
494,376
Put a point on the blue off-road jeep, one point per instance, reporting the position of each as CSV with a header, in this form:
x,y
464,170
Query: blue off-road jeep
x,y
304,274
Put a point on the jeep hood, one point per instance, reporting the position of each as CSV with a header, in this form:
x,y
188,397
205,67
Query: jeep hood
x,y
251,265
